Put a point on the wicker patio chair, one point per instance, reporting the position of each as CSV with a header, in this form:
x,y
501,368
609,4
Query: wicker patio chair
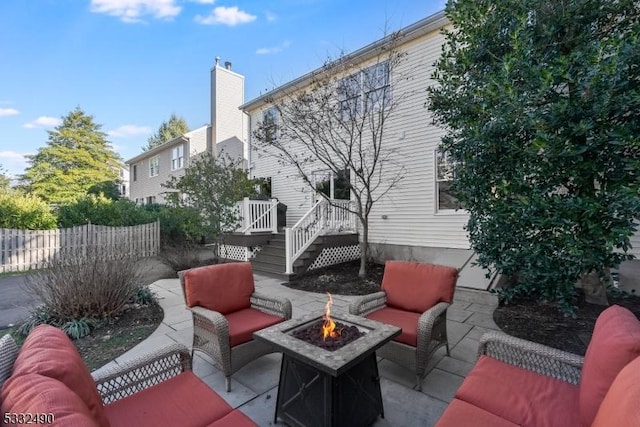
x,y
415,297
226,312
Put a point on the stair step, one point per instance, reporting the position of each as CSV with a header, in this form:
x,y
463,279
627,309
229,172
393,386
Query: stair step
x,y
271,258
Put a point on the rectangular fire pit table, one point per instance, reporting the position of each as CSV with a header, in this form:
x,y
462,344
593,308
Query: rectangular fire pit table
x,y
328,388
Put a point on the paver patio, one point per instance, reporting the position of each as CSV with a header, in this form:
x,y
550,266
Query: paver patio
x,y
254,387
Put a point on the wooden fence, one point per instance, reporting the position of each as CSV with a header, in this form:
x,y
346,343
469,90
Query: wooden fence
x,y
24,249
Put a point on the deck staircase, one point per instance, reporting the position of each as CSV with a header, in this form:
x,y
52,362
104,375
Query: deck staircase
x,y
271,260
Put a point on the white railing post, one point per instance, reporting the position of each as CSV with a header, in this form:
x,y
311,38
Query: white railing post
x,y
274,216
288,249
246,215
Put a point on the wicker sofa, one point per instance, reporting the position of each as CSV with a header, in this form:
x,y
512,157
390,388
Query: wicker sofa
x,y
49,378
517,382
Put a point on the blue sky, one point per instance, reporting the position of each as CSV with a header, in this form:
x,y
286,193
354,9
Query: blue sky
x,y
132,63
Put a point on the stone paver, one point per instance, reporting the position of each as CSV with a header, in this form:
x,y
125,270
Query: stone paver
x,y
254,387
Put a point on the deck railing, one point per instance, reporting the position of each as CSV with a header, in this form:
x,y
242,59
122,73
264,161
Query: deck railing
x,y
323,217
258,216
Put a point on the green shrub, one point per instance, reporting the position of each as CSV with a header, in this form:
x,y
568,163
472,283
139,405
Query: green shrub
x,y
143,296
79,328
39,316
179,225
23,211
101,210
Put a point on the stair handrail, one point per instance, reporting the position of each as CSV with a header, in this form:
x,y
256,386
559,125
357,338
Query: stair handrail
x,y
299,237
246,213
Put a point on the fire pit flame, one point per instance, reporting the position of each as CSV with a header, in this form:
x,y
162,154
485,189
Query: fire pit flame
x,y
329,326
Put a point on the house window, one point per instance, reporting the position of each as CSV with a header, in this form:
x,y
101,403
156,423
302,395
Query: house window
x,y
151,200
177,157
334,186
270,124
445,174
135,173
365,91
154,166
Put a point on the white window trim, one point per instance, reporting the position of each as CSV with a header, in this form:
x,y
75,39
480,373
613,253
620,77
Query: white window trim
x,y
275,115
363,95
154,161
436,193
177,157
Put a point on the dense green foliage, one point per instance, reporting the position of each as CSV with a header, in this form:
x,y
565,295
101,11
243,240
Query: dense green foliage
x,y
77,156
171,129
211,186
4,179
540,99
23,211
101,210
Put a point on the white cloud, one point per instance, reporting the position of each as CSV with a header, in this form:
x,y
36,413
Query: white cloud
x,y
131,11
231,16
128,131
270,16
8,112
274,49
13,162
43,122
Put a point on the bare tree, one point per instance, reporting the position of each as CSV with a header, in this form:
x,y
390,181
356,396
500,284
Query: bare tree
x,y
338,122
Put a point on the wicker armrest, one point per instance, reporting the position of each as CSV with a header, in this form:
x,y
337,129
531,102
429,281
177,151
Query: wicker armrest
x,y
272,305
367,303
532,356
429,317
210,324
142,372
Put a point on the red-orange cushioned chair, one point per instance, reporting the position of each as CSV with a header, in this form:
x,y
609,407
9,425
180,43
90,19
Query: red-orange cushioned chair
x,y
415,297
227,311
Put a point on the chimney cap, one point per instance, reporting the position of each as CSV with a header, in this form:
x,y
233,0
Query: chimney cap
x,y
217,60
227,65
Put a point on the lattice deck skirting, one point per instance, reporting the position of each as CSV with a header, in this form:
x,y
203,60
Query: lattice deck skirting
x,y
336,255
238,253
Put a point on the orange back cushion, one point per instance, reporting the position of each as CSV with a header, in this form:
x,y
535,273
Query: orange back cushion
x,y
615,343
32,394
620,406
224,288
417,287
48,351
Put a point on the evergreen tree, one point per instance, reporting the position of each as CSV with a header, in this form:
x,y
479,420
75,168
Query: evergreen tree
x,y
76,157
173,128
541,99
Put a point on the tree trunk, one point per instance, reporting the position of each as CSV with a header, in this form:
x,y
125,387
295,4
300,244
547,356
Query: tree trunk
x,y
595,290
364,251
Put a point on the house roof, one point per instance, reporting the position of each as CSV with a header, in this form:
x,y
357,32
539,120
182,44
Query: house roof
x,y
411,32
163,146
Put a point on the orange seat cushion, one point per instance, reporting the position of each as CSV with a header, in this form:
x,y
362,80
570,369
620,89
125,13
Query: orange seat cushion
x,y
224,288
520,396
180,401
621,405
37,394
407,320
49,352
460,413
615,342
417,287
243,323
234,419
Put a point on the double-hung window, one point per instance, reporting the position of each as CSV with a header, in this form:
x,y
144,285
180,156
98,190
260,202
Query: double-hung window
x,y
177,157
445,174
366,91
270,124
154,166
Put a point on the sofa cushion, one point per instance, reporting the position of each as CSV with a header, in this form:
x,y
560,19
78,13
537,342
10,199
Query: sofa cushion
x,y
234,419
8,354
37,394
615,343
417,287
243,323
224,288
520,396
620,406
49,352
460,413
406,320
183,400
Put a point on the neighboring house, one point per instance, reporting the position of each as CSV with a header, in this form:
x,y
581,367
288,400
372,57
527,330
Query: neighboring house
x,y
417,219
227,134
123,182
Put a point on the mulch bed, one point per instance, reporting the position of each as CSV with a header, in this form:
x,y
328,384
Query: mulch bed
x,y
341,279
